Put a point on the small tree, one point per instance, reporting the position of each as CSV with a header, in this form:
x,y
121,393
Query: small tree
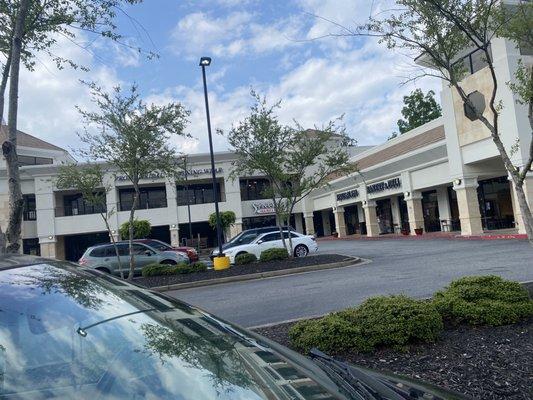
x,y
227,219
141,229
88,180
295,160
417,110
133,138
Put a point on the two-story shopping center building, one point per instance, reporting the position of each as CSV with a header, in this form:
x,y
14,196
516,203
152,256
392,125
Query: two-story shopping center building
x,y
443,176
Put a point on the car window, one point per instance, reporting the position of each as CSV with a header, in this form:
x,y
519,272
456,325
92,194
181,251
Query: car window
x,y
98,251
271,237
123,249
139,249
245,239
158,245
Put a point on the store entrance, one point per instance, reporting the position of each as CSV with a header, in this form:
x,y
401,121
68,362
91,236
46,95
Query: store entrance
x,y
430,209
495,203
404,214
351,219
384,214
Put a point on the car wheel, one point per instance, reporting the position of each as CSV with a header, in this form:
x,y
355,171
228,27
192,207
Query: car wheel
x,y
104,270
301,251
168,262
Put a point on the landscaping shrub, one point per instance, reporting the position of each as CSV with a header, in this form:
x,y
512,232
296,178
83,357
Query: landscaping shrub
x,y
164,269
484,300
274,254
158,269
245,258
385,321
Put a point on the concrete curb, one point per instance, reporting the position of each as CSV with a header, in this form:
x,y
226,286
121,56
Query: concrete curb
x,y
258,275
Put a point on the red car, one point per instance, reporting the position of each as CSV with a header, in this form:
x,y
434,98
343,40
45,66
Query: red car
x,y
162,246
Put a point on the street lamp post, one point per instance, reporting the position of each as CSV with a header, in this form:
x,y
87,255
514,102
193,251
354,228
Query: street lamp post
x,y
205,62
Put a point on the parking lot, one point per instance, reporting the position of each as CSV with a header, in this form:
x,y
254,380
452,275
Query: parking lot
x,y
413,267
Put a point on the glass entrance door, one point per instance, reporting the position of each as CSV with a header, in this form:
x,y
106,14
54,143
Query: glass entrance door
x,y
495,203
430,208
384,214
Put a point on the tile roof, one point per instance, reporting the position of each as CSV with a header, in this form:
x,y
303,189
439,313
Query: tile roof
x,y
26,140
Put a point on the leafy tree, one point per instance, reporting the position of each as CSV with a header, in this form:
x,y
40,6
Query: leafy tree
x,y
441,31
28,28
418,109
141,229
295,160
88,180
227,219
133,138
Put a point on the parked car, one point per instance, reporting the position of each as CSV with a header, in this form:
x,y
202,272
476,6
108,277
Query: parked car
x,y
246,235
302,245
70,332
103,257
162,246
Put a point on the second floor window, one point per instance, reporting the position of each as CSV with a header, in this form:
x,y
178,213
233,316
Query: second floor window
x,y
150,197
198,193
254,189
29,212
30,160
76,205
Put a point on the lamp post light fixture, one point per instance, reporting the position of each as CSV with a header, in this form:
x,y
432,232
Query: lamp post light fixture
x,y
219,262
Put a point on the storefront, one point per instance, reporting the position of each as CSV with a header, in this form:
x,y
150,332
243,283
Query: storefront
x,y
384,215
495,203
430,208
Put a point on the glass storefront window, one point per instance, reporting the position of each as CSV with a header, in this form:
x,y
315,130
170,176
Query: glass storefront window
x,y
76,205
198,193
430,208
150,197
495,203
254,189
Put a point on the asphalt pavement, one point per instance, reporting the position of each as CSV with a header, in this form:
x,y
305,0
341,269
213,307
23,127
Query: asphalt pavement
x,y
414,267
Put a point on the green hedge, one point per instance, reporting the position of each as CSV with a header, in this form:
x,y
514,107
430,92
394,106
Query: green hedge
x,y
274,254
165,269
484,300
385,321
246,258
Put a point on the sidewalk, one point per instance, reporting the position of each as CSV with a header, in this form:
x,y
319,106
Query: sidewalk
x,y
501,234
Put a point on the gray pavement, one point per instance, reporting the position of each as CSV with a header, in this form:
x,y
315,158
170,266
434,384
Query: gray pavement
x,y
413,267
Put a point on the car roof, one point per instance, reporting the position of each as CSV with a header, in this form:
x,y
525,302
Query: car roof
x,y
8,261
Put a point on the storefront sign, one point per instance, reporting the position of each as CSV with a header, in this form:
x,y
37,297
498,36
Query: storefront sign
x,y
159,175
394,183
350,194
264,208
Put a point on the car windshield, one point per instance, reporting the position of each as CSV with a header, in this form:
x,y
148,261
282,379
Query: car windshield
x,y
68,334
156,244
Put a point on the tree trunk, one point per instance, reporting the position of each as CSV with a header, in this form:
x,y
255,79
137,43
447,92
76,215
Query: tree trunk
x,y
132,216
527,218
104,217
9,147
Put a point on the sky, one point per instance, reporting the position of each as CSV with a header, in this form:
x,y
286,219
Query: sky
x,y
284,49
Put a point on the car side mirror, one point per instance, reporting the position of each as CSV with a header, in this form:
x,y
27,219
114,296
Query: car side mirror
x,y
260,241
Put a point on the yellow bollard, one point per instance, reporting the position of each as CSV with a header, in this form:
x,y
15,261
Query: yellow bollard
x,y
220,263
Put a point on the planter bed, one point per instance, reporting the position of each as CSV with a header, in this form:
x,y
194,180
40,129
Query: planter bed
x,y
482,362
236,270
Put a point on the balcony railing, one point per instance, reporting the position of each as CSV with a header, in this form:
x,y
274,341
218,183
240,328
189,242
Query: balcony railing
x,y
69,211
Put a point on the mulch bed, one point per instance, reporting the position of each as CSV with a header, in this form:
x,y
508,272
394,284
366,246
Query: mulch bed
x,y
485,362
235,270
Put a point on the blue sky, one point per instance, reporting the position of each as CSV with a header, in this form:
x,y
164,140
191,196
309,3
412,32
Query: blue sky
x,y
273,46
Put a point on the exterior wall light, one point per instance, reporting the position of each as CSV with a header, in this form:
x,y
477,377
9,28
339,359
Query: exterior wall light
x,y
407,194
173,226
50,237
456,182
113,232
364,202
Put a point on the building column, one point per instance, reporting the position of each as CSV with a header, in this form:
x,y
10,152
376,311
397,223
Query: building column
x,y
340,222
174,235
415,212
468,204
528,190
236,228
48,247
298,219
309,224
371,219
